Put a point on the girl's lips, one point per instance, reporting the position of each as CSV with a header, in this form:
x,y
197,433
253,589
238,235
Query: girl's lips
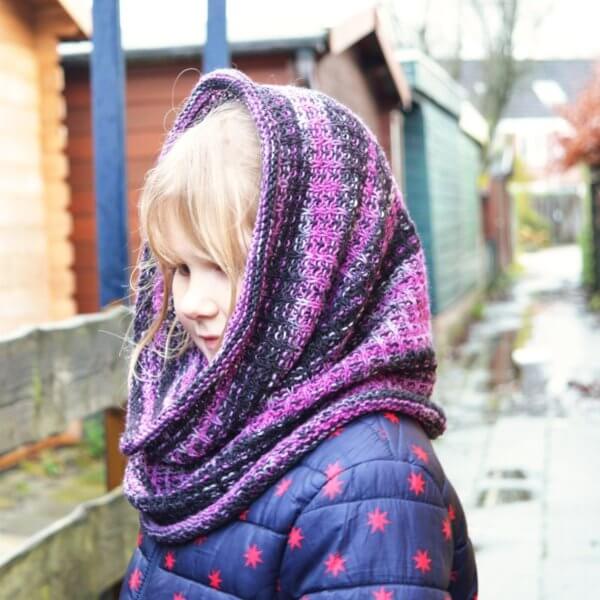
x,y
211,342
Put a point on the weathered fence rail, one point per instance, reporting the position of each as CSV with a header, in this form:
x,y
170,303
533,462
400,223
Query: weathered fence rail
x,y
79,556
58,372
49,376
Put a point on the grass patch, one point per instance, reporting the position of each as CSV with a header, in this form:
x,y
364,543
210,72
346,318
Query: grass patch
x,y
594,302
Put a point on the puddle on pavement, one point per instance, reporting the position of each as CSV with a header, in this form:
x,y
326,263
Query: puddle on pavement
x,y
502,370
507,474
507,485
503,496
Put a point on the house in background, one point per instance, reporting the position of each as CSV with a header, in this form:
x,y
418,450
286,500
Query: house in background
x,y
351,61
529,125
36,255
443,139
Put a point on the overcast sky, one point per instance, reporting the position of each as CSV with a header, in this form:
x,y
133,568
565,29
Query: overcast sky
x,y
547,28
568,28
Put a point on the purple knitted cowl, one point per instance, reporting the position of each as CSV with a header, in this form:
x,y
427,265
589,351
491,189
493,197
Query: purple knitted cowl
x,y
332,321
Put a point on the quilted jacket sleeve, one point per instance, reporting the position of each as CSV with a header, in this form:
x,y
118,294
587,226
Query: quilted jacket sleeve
x,y
381,529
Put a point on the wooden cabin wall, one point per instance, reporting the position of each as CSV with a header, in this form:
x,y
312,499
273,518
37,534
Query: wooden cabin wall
x,y
24,289
51,23
35,255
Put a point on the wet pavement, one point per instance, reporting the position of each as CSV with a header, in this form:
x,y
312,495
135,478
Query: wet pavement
x,y
523,441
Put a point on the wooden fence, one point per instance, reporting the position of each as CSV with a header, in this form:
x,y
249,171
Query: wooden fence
x,y
51,375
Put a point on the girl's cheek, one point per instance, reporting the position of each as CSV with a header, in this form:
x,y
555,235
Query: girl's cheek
x,y
178,292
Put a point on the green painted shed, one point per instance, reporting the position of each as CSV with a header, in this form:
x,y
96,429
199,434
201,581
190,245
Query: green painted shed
x,y
442,159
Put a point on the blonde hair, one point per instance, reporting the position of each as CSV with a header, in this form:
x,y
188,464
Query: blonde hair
x,y
209,181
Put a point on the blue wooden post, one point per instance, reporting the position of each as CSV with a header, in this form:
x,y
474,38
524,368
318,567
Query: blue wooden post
x,y
216,49
108,121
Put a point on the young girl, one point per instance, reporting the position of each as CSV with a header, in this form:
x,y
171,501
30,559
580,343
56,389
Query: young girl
x,y
279,421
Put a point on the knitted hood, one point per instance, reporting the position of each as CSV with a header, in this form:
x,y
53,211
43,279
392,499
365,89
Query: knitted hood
x,y
332,321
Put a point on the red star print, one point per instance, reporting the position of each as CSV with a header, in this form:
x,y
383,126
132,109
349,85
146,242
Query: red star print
x,y
391,417
417,483
382,433
140,538
447,529
333,469
378,520
420,453
214,579
335,564
295,538
337,432
332,488
200,540
135,580
283,487
252,556
451,512
169,560
244,515
382,595
178,596
422,561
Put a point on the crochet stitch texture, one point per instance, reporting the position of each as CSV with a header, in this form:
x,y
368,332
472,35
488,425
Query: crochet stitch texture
x,y
333,320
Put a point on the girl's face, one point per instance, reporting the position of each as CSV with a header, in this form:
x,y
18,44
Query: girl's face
x,y
201,293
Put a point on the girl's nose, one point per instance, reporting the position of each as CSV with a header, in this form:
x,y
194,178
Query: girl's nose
x,y
197,305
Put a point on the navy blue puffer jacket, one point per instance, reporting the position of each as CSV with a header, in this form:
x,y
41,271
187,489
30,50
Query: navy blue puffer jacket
x,y
368,513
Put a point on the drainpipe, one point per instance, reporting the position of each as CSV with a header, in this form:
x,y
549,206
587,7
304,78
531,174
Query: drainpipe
x,y
305,66
110,158
216,50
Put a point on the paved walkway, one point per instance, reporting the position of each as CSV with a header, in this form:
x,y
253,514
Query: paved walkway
x,y
525,459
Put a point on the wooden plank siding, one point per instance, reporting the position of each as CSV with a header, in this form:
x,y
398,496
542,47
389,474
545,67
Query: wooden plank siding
x,y
441,166
444,176
442,163
418,189
35,254
24,291
472,238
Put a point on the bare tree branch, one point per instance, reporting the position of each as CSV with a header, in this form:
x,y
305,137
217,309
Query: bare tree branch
x,y
501,70
423,29
455,64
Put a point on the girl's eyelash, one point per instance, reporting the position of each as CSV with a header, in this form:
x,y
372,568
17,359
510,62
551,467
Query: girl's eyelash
x,y
180,266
